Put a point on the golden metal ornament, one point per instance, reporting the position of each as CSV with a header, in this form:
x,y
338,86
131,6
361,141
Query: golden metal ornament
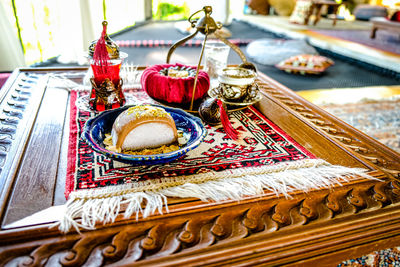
x,y
207,25
112,47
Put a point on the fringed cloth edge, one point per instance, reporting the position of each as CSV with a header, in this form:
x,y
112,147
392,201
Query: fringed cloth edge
x,y
103,205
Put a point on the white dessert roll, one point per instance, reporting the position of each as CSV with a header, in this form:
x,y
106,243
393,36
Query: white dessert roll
x,y
143,127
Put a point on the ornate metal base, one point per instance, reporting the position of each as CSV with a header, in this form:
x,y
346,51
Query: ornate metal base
x,y
106,96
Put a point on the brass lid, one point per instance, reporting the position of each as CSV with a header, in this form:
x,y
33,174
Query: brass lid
x,y
112,47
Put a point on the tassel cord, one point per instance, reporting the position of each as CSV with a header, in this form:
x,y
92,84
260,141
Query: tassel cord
x,y
101,57
228,127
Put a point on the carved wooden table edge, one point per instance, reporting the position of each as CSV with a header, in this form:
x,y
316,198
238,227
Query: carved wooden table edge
x,y
318,226
357,143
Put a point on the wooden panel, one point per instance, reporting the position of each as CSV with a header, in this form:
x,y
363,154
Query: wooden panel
x,y
59,196
313,141
352,141
18,110
36,175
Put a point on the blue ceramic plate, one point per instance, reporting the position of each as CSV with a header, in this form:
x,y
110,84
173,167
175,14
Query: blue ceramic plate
x,y
96,128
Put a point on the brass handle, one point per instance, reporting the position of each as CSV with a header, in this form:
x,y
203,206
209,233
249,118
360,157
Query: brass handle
x,y
193,22
207,25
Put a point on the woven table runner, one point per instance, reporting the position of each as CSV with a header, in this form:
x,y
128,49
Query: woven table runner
x,y
265,158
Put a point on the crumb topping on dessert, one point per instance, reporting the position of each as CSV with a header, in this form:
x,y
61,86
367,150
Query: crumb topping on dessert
x,y
147,111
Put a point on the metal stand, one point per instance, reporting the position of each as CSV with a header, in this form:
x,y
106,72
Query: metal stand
x,y
207,25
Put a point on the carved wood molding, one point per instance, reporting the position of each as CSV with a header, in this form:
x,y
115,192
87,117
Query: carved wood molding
x,y
12,111
360,144
17,113
201,230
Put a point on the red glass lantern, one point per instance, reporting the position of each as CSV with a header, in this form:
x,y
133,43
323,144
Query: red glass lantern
x,y
105,60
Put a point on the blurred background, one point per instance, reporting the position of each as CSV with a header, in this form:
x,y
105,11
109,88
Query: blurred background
x,y
37,31
58,28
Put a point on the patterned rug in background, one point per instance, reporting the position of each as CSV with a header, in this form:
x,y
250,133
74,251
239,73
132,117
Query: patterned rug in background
x,y
379,119
386,257
384,40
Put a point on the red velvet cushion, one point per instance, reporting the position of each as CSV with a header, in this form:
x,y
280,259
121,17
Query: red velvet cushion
x,y
396,16
173,89
305,64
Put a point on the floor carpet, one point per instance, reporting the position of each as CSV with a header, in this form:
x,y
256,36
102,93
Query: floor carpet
x,y
338,76
386,257
379,119
384,40
324,23
342,74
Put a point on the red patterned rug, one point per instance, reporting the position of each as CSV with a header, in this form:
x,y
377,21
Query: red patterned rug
x,y
262,143
265,158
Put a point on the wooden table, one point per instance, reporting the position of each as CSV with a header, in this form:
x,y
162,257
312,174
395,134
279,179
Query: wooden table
x,y
319,227
316,7
384,24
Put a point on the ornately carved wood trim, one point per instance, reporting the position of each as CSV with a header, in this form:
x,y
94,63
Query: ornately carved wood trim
x,y
180,233
363,147
13,113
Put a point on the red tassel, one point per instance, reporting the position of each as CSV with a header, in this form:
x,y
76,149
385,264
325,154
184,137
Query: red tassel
x,y
100,55
229,130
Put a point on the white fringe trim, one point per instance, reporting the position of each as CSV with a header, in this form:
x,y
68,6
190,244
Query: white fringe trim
x,y
103,205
